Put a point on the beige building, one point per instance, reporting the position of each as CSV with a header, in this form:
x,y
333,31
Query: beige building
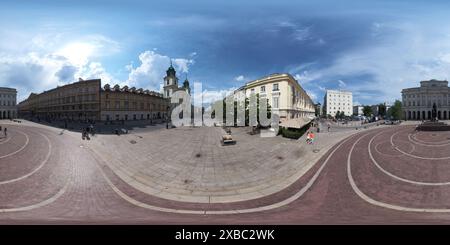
x,y
86,100
131,104
417,103
284,94
75,101
8,97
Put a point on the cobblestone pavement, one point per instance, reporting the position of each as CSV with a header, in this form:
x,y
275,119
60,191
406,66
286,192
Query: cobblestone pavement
x,y
378,175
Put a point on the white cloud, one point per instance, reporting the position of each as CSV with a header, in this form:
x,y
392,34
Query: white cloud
x,y
239,78
302,34
378,70
150,72
341,83
306,77
182,65
38,62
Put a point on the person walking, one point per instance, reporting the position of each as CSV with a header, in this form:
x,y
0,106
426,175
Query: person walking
x,y
5,130
328,126
311,136
308,137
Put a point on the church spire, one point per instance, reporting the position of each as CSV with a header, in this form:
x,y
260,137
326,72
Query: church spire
x,y
171,71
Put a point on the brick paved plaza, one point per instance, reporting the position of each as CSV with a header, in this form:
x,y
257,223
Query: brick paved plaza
x,y
154,175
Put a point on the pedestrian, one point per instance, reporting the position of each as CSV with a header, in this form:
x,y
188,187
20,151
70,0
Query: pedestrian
x,y
5,131
308,138
312,137
328,125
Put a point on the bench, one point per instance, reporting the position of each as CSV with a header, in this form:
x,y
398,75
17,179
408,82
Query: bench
x,y
228,140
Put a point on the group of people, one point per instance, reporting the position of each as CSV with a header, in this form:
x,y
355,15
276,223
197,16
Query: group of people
x,y
85,132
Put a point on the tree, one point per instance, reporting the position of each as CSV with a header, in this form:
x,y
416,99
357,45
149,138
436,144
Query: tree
x,y
342,115
247,110
338,115
395,112
367,111
382,110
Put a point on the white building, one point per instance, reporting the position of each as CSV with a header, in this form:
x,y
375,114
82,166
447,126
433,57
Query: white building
x,y
338,101
358,110
8,100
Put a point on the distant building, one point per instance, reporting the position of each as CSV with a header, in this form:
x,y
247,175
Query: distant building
x,y
8,98
284,93
171,83
338,101
318,109
417,103
86,100
358,110
376,109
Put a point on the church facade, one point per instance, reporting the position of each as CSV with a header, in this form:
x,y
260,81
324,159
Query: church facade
x,y
418,103
171,83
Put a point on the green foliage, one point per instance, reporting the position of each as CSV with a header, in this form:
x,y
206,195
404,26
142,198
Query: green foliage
x,y
294,133
395,112
367,111
382,109
247,110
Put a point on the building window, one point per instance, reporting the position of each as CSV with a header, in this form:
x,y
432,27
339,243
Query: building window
x,y
252,90
275,87
275,102
263,88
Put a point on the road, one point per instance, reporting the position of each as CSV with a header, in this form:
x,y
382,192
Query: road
x,y
390,175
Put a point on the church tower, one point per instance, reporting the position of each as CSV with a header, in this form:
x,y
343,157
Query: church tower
x,y
186,86
170,82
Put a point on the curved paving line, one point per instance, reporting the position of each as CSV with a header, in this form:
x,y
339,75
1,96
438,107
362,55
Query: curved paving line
x,y
234,211
8,139
374,202
38,205
45,202
395,176
414,156
36,169
413,139
23,147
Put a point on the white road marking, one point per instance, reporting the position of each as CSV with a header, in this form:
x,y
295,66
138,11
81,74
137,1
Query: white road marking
x,y
414,156
395,176
379,203
413,139
23,147
36,169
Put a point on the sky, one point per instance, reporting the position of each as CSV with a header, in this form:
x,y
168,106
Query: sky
x,y
372,48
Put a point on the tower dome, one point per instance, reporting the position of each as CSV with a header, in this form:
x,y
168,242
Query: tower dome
x,y
171,71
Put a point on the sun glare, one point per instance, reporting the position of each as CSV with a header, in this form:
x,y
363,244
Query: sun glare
x,y
77,52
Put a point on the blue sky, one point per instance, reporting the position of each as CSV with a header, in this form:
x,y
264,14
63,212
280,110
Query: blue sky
x,y
372,48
